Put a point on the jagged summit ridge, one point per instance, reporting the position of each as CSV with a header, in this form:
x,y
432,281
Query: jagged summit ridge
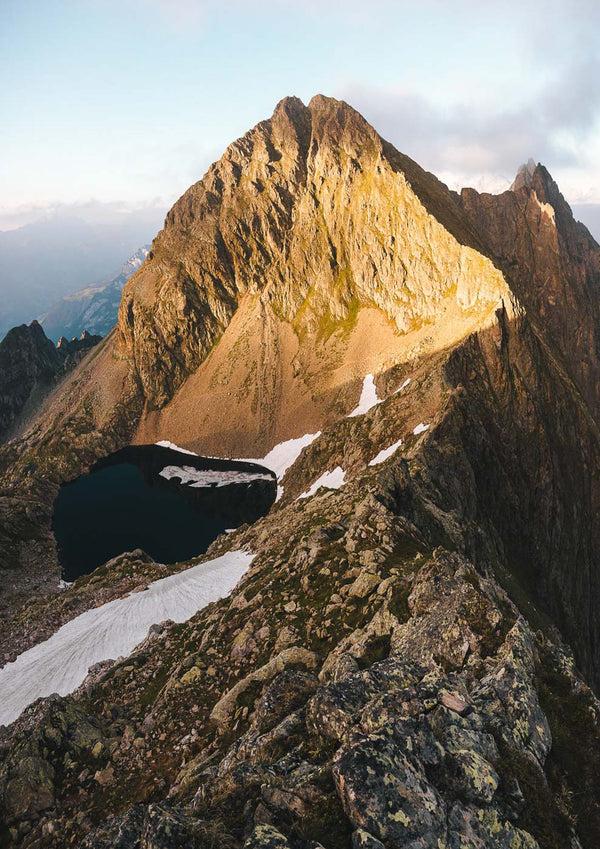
x,y
311,213
30,364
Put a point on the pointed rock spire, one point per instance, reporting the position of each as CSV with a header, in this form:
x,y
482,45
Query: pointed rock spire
x,y
525,175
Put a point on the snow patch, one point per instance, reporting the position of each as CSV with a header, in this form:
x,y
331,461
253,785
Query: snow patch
x,y
60,664
200,478
164,443
278,460
284,455
368,398
64,585
387,452
404,385
420,428
329,480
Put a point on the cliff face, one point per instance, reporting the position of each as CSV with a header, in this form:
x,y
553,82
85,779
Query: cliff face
x,y
308,219
535,396
392,671
553,265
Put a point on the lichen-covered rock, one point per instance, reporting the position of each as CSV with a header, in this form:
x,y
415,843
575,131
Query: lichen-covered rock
x,y
361,839
472,828
364,584
223,712
120,832
386,792
59,736
164,828
474,777
266,837
509,692
155,827
333,709
439,630
286,692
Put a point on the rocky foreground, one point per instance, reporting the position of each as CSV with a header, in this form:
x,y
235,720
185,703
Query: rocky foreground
x,y
358,688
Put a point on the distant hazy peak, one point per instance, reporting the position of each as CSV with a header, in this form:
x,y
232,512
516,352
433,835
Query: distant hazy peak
x,y
134,261
525,175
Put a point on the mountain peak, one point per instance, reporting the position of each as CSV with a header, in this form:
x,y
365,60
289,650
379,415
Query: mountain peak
x,y
289,105
525,175
324,117
536,176
328,108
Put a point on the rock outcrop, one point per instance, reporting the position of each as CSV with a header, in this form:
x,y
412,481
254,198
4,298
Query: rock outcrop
x,y
427,712
30,365
28,360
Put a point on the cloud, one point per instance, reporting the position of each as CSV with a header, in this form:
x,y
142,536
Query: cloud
x,y
90,211
554,125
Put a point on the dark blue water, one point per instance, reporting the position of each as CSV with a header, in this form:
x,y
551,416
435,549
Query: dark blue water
x,y
124,503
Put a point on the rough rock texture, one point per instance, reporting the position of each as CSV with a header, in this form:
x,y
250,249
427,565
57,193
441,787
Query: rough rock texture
x,y
553,265
427,713
27,359
311,211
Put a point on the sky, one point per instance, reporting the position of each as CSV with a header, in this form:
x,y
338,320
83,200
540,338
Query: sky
x,y
129,101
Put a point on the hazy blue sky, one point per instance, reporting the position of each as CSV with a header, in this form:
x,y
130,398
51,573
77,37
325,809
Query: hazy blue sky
x,y
130,100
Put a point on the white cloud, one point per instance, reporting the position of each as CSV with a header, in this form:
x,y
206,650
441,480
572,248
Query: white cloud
x,y
483,143
91,211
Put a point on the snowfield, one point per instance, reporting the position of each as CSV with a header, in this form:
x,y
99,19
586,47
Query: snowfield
x,y
60,664
284,455
420,428
385,453
278,460
329,480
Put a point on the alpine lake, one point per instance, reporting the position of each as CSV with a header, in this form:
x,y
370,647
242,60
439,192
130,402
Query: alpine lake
x,y
171,504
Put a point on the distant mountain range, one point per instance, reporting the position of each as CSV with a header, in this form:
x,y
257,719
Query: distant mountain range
x,y
93,308
59,253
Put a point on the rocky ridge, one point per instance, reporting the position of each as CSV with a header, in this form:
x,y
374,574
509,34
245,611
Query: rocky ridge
x,y
357,688
390,672
30,365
